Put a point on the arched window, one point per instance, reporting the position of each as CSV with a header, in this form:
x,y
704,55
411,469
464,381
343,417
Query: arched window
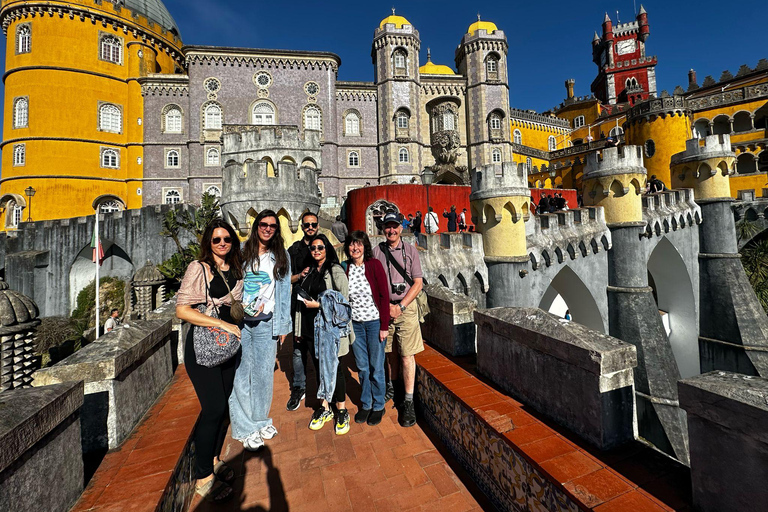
x,y
21,113
495,122
399,61
212,156
449,120
172,158
402,120
173,120
111,49
351,124
492,67
110,205
19,154
528,164
263,114
616,131
517,137
110,118
172,196
353,159
312,120
23,39
402,156
14,215
552,143
496,156
213,190
213,117
110,158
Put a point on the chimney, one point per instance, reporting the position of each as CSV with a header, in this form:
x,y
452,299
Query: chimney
x,y
569,88
692,78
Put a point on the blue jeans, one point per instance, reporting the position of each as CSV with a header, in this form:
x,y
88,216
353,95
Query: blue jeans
x,y
369,356
251,395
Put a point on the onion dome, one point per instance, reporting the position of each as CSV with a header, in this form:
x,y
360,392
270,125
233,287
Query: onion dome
x,y
397,21
15,307
434,69
488,26
148,275
154,10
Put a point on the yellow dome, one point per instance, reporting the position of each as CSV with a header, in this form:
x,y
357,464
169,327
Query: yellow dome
x,y
482,25
435,69
398,21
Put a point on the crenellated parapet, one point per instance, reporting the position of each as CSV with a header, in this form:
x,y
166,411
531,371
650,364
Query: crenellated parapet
x,y
556,238
615,180
669,211
705,166
245,139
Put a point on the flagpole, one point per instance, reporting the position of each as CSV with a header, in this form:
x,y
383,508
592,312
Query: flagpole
x,y
98,256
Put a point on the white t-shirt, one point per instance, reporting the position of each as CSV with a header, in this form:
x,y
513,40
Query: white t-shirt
x,y
110,324
259,285
431,223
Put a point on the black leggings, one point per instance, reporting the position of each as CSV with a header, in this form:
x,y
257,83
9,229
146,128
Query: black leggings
x,y
340,392
213,387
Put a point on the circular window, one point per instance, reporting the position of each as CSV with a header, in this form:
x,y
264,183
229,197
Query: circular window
x,y
262,79
311,88
212,85
650,148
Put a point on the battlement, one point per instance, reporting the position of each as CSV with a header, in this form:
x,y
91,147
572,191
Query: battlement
x,y
611,161
534,117
255,174
712,146
240,139
494,180
670,210
555,237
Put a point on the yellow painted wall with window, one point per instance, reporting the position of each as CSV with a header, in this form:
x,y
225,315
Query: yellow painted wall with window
x,y
62,138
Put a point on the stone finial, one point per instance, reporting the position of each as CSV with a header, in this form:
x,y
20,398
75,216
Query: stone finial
x,y
727,75
15,308
148,275
642,10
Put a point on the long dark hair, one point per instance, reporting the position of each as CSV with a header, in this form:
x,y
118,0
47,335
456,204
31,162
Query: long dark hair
x,y
275,245
331,258
362,237
234,257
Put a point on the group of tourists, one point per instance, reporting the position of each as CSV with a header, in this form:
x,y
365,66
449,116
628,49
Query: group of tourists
x,y
242,304
457,221
549,203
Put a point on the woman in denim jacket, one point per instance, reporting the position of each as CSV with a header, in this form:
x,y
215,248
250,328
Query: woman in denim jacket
x,y
267,303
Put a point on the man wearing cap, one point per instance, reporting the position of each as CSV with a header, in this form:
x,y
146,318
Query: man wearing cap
x,y
404,340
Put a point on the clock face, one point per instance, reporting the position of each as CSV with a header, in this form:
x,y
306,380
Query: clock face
x,y
626,46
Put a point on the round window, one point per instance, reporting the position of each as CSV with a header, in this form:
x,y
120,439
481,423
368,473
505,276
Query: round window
x,y
212,85
650,148
262,79
311,88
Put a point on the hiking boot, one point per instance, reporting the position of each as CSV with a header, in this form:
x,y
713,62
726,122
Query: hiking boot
x,y
408,414
297,395
320,417
375,417
342,422
362,415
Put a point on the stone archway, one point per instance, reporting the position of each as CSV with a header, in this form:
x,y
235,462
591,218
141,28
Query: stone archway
x,y
568,291
374,214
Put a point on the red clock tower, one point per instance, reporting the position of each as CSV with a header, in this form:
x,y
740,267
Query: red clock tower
x,y
625,74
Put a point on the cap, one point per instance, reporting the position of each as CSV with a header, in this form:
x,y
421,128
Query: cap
x,y
390,217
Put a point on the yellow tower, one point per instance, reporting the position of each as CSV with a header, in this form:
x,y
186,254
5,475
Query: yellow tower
x,y
73,106
500,202
705,166
660,126
615,180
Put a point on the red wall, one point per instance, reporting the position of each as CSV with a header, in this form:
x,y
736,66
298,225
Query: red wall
x,y
569,195
410,198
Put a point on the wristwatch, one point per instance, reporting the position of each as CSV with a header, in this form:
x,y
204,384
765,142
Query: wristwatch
x,y
402,308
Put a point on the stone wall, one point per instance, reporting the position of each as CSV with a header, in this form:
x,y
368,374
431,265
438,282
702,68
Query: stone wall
x,y
580,378
450,325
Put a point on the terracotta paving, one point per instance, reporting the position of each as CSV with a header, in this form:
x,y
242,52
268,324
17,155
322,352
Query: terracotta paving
x,y
380,468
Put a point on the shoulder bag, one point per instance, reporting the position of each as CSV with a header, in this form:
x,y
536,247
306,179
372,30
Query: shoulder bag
x,y
422,301
236,310
213,345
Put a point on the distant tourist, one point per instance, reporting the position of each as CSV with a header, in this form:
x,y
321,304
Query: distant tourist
x,y
113,321
452,217
207,283
431,222
463,220
267,303
610,143
656,185
405,223
339,229
416,224
568,315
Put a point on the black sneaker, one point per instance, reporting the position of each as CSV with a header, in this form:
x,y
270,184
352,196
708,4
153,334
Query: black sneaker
x,y
390,392
362,415
375,417
408,414
297,395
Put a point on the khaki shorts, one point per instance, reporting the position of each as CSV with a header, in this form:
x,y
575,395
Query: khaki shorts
x,y
406,329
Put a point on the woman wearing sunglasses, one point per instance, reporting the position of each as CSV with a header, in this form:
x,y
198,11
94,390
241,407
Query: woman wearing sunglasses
x,y
267,303
327,274
208,281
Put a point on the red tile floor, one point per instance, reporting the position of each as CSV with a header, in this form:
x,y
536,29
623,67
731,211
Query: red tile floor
x,y
379,468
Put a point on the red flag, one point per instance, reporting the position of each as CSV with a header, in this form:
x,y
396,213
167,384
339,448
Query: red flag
x,y
98,249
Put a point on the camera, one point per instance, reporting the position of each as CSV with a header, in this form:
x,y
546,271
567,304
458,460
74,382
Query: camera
x,y
398,288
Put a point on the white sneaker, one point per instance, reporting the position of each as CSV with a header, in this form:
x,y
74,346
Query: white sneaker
x,y
253,442
268,432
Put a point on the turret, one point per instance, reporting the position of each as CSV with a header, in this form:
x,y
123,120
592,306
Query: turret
x,y
569,88
642,22
607,28
705,166
500,202
615,180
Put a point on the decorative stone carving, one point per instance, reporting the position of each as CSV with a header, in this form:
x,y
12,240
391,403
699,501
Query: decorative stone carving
x,y
18,321
445,146
148,286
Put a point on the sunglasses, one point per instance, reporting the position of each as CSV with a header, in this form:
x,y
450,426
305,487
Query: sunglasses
x,y
309,225
314,248
264,225
218,239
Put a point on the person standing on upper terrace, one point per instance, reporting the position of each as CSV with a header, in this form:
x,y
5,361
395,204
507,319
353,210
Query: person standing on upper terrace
x,y
452,217
405,279
339,229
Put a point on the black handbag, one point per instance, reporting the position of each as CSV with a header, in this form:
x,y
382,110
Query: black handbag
x,y
213,345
